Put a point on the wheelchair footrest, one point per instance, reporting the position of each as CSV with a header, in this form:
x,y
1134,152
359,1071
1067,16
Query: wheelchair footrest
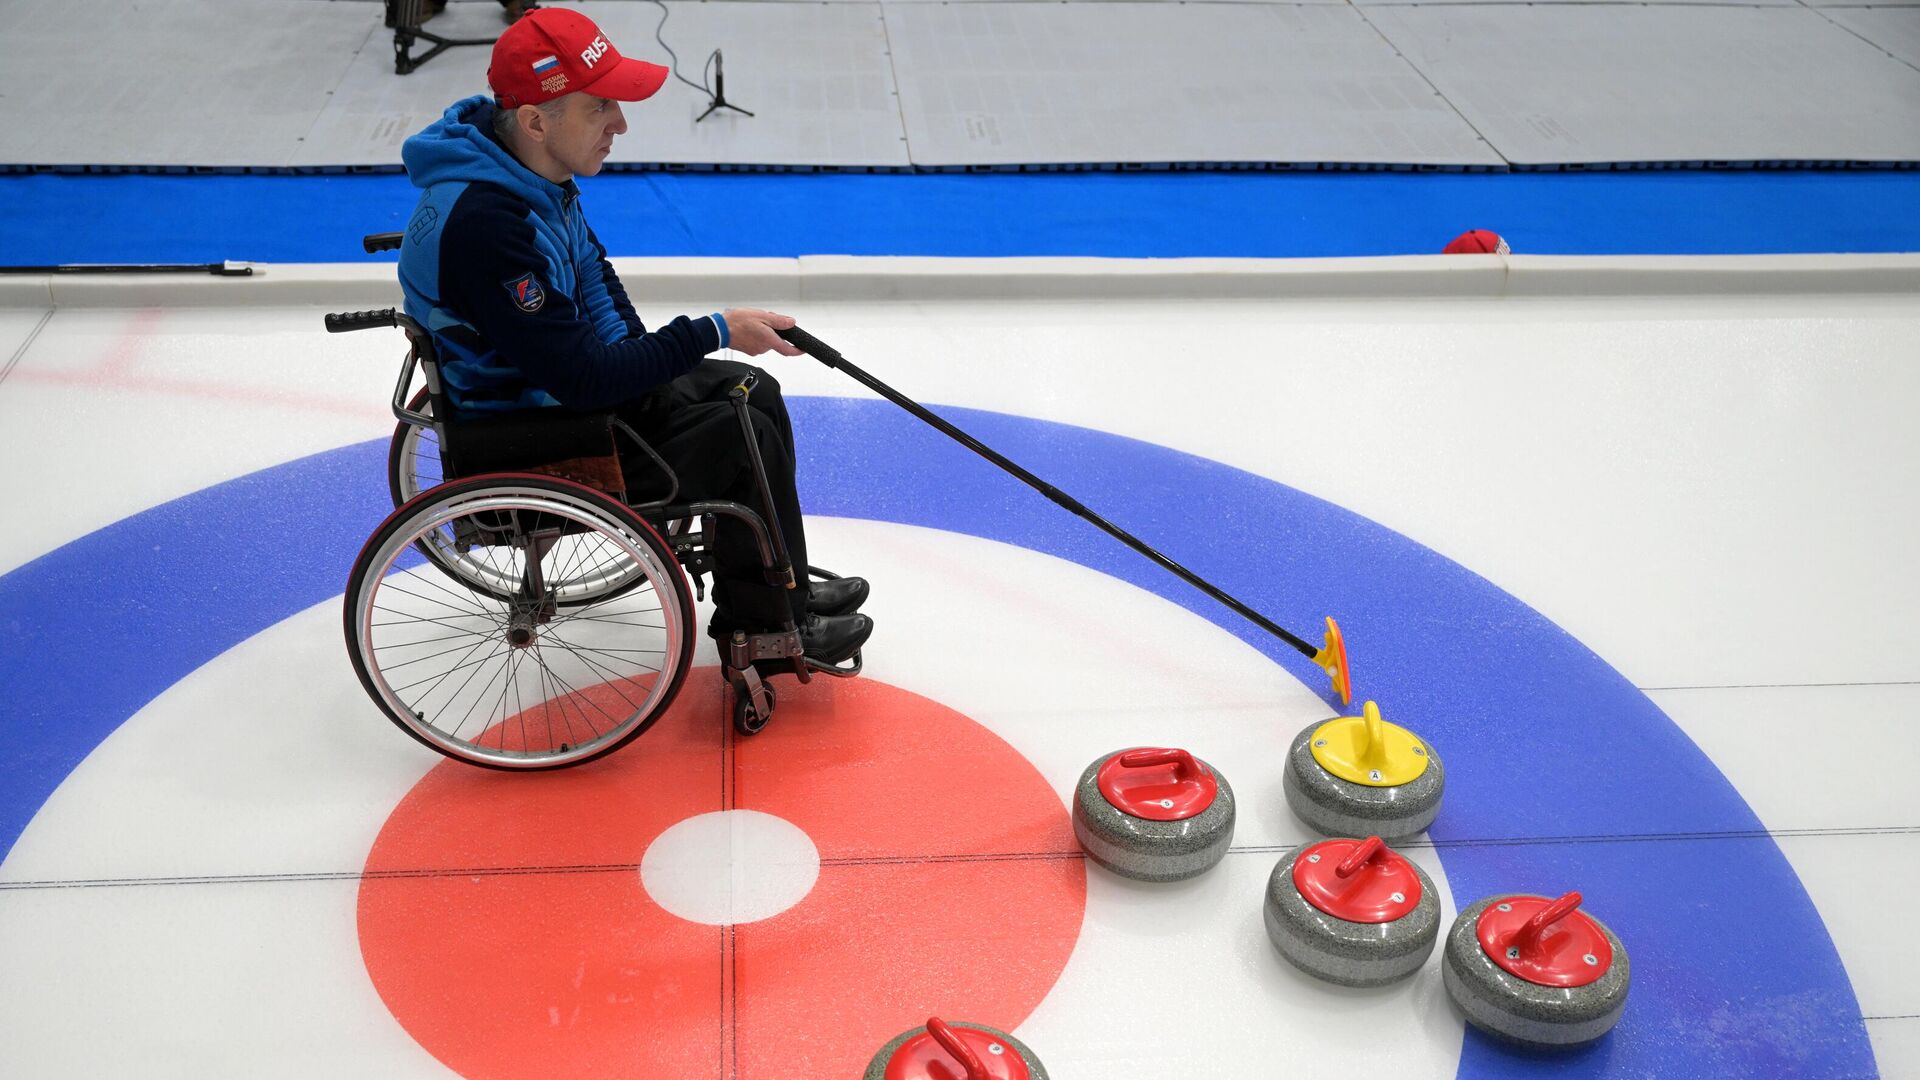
x,y
746,650
782,653
852,668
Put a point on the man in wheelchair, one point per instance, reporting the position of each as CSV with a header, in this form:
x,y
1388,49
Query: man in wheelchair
x,y
498,262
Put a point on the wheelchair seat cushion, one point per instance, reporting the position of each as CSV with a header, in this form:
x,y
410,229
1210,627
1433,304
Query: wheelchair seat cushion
x,y
573,446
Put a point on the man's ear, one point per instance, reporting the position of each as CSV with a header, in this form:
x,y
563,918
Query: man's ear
x,y
533,122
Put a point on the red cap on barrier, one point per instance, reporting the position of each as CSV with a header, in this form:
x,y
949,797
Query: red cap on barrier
x,y
1477,242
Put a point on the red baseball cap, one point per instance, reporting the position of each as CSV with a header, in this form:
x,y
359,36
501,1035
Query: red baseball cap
x,y
554,51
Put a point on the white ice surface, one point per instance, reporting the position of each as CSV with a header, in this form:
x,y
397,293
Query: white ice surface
x,y
1708,492
270,761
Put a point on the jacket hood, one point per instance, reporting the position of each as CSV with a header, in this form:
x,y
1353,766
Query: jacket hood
x,y
460,148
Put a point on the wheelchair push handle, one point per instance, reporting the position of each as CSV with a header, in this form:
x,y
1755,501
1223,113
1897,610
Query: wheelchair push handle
x,y
380,241
344,321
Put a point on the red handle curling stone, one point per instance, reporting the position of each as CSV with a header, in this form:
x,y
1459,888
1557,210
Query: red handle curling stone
x,y
1157,783
1182,761
944,1052
1361,881
955,1045
1368,848
1547,942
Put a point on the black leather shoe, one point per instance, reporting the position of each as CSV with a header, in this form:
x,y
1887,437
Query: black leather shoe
x,y
833,639
836,596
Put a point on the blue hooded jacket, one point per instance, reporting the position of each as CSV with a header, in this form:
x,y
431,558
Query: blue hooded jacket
x,y
498,262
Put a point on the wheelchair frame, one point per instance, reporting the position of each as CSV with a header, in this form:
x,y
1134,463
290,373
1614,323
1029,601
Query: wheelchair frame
x,y
535,467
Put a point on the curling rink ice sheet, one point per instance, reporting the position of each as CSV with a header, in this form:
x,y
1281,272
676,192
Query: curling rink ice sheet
x,y
1637,567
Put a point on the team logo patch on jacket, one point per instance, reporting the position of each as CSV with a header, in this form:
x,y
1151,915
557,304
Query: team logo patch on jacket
x,y
528,296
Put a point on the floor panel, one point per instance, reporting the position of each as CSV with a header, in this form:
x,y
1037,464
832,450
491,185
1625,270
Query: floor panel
x,y
1259,83
1895,29
171,60
1564,83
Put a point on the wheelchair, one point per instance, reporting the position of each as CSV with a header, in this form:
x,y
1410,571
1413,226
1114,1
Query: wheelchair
x,y
523,607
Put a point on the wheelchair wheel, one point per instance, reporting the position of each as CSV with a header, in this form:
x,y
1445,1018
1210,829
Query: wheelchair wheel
x,y
511,679
413,457
413,466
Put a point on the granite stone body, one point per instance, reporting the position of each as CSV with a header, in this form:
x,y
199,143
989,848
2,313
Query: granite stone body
x,y
1519,1011
1336,807
1343,952
877,1068
1151,850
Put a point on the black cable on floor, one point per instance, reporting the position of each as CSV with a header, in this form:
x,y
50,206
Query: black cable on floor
x,y
702,85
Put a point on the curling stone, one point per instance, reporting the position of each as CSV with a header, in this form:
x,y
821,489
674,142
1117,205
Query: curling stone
x,y
1361,776
1352,912
1534,970
956,1051
1153,814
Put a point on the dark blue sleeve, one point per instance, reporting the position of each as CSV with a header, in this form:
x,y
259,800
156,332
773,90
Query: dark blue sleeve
x,y
487,247
616,291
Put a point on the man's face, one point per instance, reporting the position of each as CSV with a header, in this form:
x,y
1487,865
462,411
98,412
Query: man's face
x,y
584,136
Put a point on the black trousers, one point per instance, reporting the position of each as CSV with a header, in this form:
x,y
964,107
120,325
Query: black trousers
x,y
692,425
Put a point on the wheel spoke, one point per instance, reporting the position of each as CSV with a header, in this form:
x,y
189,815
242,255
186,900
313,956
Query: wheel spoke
x,y
462,666
578,696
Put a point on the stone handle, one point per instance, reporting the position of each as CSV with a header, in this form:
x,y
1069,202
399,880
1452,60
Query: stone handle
x,y
1183,762
952,1044
1376,729
1528,936
1368,848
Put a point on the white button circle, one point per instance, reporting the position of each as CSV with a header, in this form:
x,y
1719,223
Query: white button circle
x,y
730,866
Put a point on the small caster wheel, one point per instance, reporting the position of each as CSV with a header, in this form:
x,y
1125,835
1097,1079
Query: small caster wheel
x,y
747,719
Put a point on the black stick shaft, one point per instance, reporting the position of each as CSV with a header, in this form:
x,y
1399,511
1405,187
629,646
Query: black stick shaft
x,y
217,269
831,357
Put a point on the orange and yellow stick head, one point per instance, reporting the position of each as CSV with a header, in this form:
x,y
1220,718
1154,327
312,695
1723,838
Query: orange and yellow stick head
x,y
1332,659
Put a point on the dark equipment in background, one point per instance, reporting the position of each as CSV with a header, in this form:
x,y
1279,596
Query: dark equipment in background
x,y
719,91
404,18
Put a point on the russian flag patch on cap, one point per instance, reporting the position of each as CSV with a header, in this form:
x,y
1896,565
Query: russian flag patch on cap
x,y
541,67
